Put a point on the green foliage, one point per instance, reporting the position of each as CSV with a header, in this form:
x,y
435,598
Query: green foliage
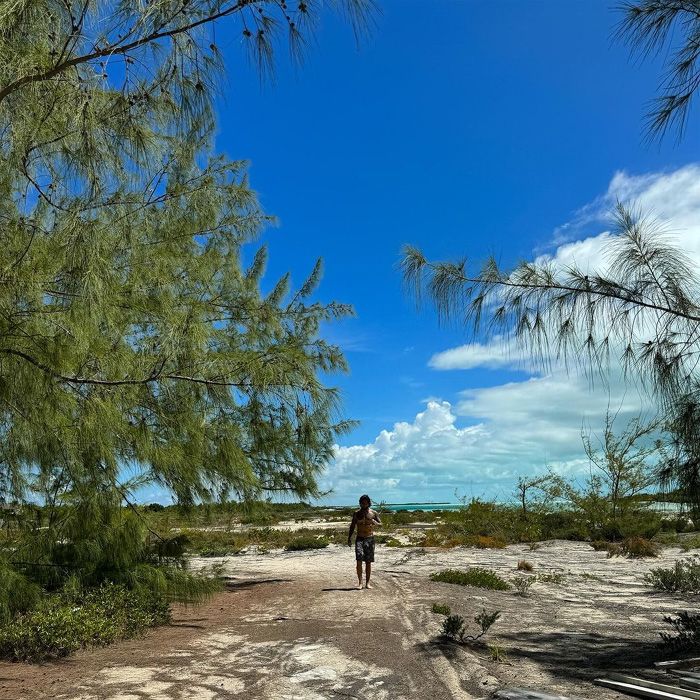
x,y
682,577
441,609
476,576
299,544
686,626
454,626
133,332
497,653
690,543
64,623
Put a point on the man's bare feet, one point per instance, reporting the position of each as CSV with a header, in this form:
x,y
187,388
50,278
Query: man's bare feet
x,y
368,585
359,586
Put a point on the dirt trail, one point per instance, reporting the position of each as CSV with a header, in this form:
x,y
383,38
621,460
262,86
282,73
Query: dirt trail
x,y
291,627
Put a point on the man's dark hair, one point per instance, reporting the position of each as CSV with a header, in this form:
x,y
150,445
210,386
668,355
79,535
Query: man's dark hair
x,y
364,497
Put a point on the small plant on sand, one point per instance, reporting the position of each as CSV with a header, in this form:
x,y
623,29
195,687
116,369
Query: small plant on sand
x,y
476,576
441,609
524,565
522,585
682,577
690,543
551,577
534,546
454,626
301,543
687,632
497,653
600,545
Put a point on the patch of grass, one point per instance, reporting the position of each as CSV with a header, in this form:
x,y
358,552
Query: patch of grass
x,y
300,544
524,565
682,577
476,576
534,546
441,609
591,577
61,625
497,653
600,545
551,577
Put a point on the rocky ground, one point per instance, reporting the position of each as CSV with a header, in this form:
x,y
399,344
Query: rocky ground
x,y
290,626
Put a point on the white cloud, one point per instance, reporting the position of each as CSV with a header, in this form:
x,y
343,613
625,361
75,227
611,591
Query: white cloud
x,y
519,427
496,354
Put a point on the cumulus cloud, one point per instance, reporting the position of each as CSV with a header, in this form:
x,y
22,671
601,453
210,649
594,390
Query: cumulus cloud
x,y
519,427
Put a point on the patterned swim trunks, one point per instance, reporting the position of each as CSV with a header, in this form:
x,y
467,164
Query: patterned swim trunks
x,y
364,549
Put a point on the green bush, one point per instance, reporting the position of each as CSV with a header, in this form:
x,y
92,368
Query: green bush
x,y
63,623
682,577
476,576
301,543
454,626
441,609
564,525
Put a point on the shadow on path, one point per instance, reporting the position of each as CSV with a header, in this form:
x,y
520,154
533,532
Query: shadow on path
x,y
233,585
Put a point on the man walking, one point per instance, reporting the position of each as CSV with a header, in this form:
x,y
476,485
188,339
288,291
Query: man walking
x,y
364,520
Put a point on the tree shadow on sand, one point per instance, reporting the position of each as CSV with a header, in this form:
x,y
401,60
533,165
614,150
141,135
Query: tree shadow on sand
x,y
567,655
233,584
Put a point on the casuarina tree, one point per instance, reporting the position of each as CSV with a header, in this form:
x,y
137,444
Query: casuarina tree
x,y
135,346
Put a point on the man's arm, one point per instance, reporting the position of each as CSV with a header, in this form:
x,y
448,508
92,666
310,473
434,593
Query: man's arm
x,y
376,517
352,528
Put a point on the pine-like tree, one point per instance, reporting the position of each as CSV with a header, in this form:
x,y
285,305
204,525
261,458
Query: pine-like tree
x,y
134,346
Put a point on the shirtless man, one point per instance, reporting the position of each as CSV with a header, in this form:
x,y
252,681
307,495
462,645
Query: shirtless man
x,y
364,519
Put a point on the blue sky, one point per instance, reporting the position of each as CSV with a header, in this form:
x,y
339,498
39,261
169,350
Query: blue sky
x,y
463,127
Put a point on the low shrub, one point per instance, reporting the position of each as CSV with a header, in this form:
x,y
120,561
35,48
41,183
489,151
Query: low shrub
x,y
441,609
687,631
522,585
550,577
639,547
682,577
690,543
62,625
454,626
476,576
302,543
524,565
614,550
600,545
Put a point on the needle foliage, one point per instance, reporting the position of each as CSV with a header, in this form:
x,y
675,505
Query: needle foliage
x,y
136,347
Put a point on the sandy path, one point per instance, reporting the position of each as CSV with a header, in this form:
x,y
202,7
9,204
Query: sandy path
x,y
290,627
